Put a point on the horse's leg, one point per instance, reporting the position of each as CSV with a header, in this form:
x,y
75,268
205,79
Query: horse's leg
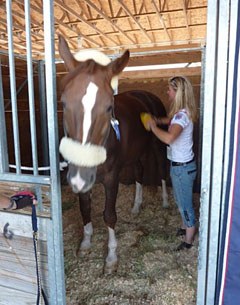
x,y
138,170
110,219
164,193
159,150
138,198
85,208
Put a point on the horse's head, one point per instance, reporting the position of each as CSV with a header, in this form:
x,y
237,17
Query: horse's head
x,y
87,97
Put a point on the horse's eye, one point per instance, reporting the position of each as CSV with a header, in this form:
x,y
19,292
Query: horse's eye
x,y
109,109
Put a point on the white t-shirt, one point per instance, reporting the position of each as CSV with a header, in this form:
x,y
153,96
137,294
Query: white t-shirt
x,y
181,149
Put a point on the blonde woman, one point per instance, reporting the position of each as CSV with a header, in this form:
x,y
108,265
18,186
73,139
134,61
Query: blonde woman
x,y
179,138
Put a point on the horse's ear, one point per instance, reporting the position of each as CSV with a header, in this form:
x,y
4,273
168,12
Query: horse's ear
x,y
117,65
64,51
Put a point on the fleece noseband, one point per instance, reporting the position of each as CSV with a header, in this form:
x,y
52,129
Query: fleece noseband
x,y
87,155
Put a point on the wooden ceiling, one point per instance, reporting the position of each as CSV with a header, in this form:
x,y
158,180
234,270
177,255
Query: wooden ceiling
x,y
111,25
150,29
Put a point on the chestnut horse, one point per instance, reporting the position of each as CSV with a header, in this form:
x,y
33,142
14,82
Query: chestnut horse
x,y
104,133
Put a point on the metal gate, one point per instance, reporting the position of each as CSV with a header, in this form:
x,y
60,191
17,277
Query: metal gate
x,y
218,118
17,280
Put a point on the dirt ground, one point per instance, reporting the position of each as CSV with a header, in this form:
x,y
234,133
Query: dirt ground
x,y
150,272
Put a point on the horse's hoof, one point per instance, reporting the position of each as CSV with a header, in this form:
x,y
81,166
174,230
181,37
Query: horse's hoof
x,y
82,252
110,268
165,205
135,211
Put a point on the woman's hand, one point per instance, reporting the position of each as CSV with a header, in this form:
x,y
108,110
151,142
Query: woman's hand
x,y
151,123
157,120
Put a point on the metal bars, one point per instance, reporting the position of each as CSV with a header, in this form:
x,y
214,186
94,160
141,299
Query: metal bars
x,y
30,88
3,138
13,87
56,261
215,148
48,107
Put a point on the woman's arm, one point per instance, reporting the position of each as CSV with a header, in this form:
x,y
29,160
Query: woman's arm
x,y
162,120
165,136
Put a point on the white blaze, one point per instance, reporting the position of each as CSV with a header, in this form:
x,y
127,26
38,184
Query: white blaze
x,y
88,102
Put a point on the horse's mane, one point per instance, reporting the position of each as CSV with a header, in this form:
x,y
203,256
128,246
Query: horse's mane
x,y
91,58
88,66
97,56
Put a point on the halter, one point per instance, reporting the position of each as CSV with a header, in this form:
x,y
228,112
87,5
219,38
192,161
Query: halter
x,y
115,126
89,155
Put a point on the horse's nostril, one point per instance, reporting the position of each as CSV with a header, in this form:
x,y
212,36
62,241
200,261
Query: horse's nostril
x,y
92,178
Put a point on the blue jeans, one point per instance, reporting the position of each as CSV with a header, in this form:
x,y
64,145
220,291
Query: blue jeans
x,y
183,177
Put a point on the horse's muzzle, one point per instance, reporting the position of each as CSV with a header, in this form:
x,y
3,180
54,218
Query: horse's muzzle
x,y
81,179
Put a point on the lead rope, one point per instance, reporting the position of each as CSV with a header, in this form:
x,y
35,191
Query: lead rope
x,y
40,293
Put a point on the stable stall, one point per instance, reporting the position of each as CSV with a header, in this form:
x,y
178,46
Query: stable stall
x,y
163,32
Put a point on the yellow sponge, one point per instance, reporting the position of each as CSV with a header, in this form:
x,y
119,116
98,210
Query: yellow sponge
x,y
145,117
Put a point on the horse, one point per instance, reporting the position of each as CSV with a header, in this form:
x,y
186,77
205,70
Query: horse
x,y
104,134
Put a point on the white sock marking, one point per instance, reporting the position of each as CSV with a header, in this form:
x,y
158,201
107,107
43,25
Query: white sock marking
x,y
112,247
164,194
87,235
138,198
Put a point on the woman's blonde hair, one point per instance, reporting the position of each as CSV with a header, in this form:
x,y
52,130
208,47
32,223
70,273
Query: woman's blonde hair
x,y
184,97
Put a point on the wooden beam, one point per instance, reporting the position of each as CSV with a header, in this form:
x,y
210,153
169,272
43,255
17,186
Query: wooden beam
x,y
114,25
165,58
110,7
161,20
82,8
19,26
72,12
126,9
111,25
186,17
150,74
35,8
152,13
